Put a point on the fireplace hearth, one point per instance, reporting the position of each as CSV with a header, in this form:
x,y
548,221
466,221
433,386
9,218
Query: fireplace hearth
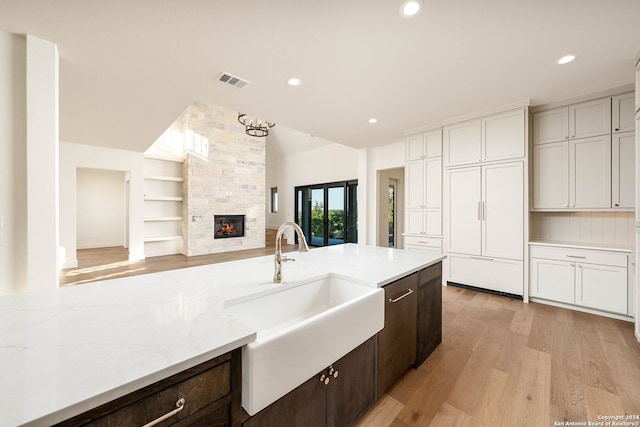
x,y
226,226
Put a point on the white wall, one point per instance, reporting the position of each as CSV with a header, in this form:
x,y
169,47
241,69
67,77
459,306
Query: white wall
x,y
378,158
329,163
100,208
13,180
74,156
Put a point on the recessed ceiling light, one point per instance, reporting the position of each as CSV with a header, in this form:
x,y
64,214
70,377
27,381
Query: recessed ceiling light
x,y
566,59
410,8
294,81
372,120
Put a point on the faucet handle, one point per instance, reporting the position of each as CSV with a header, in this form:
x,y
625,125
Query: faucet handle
x,y
285,259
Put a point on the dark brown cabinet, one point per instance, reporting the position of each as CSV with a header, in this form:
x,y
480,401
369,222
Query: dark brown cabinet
x,y
429,312
204,393
397,340
337,396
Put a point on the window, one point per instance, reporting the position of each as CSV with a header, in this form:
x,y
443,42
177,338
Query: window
x,y
274,199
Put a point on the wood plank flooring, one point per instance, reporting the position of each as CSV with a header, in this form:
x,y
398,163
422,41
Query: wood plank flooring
x,y
110,263
506,363
501,362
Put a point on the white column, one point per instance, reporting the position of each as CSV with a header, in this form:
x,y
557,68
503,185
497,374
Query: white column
x,y
42,164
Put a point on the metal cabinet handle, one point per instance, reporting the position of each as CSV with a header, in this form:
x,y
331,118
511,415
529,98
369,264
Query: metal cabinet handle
x,y
179,407
406,294
479,211
616,129
576,256
616,204
481,258
333,373
325,379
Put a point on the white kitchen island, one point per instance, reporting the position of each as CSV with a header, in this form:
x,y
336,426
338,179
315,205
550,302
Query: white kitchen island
x,y
65,351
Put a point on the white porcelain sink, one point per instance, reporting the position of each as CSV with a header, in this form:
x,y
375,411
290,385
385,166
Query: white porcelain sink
x,y
302,328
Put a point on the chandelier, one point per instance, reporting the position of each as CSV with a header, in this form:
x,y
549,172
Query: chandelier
x,y
255,127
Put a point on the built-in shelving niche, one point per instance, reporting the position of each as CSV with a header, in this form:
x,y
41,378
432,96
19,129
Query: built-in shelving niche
x,y
163,206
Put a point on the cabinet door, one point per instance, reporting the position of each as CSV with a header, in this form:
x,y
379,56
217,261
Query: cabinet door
x,y
463,143
503,136
551,126
602,287
590,172
551,176
553,280
433,173
414,184
465,210
590,118
433,141
429,311
304,406
397,340
622,113
414,221
433,222
354,390
623,172
415,147
503,211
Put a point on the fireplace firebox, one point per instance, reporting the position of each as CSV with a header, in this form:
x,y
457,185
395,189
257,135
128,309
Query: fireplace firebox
x,y
226,226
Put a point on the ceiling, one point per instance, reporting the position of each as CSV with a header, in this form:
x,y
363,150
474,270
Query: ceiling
x,y
129,68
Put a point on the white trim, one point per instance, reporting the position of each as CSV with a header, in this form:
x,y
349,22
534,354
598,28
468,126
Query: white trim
x,y
523,103
588,97
582,309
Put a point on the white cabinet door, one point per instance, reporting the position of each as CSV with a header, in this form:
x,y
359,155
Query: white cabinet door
x,y
602,287
553,280
590,118
463,143
503,136
551,126
623,172
464,212
433,222
433,174
414,221
415,147
503,210
590,172
622,113
551,176
414,184
433,143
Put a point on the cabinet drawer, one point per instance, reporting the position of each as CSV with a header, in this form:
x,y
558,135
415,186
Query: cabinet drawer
x,y
430,242
579,255
202,390
500,275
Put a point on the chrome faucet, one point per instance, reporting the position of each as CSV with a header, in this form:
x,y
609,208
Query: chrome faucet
x,y
279,258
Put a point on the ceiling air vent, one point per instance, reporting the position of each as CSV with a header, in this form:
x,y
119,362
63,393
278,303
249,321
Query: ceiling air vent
x,y
231,80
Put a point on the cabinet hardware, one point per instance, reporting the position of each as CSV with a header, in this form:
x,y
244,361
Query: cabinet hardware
x,y
572,264
576,256
616,204
479,211
179,407
616,129
333,373
566,206
573,136
482,258
573,205
325,379
406,294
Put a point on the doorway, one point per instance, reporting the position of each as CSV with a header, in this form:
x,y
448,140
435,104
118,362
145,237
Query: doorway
x,y
390,207
327,213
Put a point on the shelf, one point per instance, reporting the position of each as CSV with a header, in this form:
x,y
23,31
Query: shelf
x,y
161,238
163,199
163,218
165,178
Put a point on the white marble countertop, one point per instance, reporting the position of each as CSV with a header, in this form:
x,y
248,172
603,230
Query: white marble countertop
x,y
65,351
582,245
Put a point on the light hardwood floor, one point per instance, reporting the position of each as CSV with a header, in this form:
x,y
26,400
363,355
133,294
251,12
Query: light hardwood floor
x,y
111,263
506,363
501,362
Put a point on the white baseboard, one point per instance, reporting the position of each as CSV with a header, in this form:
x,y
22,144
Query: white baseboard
x,y
71,263
136,257
100,245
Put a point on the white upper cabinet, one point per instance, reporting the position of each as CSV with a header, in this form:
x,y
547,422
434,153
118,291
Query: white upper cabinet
x,y
551,175
623,149
590,118
415,184
415,147
463,143
622,113
503,136
493,138
551,126
590,173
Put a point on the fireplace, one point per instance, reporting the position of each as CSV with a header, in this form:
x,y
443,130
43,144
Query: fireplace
x,y
226,226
